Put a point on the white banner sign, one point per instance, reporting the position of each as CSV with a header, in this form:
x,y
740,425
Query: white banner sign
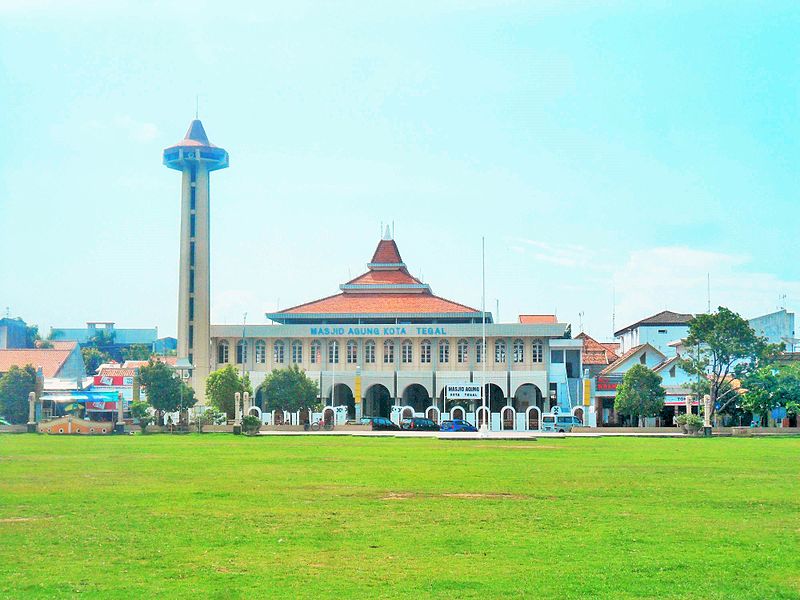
x,y
463,391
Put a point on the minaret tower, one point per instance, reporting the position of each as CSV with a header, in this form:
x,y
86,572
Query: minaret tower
x,y
195,157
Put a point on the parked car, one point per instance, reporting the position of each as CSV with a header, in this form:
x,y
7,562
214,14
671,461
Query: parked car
x,y
379,424
418,424
560,423
457,425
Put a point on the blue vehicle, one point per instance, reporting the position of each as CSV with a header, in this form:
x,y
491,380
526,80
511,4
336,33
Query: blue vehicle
x,y
458,425
561,423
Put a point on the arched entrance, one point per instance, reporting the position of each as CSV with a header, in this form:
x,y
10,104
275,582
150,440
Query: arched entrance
x,y
482,416
533,418
259,398
377,401
328,416
433,414
527,395
507,418
495,398
255,411
342,395
416,396
457,412
407,413
578,412
277,417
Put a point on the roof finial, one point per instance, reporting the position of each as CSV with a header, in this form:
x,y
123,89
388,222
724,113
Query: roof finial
x,y
388,234
197,106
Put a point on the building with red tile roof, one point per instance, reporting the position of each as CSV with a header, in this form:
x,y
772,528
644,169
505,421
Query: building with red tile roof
x,y
64,361
386,345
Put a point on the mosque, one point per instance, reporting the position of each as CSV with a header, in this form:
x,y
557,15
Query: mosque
x,y
385,345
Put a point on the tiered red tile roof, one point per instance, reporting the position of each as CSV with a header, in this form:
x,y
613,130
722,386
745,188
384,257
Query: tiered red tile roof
x,y
595,353
386,288
537,319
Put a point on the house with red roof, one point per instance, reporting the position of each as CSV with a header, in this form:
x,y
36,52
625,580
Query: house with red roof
x,y
386,345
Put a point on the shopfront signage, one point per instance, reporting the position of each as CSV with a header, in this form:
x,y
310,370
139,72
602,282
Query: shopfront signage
x,y
463,391
392,330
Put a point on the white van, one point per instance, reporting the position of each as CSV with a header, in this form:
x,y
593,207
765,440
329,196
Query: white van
x,y
562,423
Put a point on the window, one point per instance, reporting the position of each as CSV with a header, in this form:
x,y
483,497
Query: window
x,y
352,352
538,351
316,352
407,354
480,350
222,351
297,352
444,352
241,352
191,309
388,351
557,356
191,281
277,351
192,224
191,254
191,336
672,372
519,351
463,351
261,352
499,352
333,352
643,358
193,199
662,331
425,351
369,352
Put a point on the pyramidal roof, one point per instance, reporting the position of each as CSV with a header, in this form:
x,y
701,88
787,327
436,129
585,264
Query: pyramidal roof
x,y
386,288
195,136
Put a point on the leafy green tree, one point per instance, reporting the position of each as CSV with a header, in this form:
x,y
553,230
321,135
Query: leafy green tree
x,y
137,352
141,412
15,386
640,394
93,358
289,389
771,387
221,388
166,392
722,347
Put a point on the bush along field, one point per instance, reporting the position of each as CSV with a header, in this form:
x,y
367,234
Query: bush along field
x,y
343,517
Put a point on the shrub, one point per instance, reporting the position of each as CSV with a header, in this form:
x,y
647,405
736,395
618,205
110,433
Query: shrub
x,y
251,424
691,420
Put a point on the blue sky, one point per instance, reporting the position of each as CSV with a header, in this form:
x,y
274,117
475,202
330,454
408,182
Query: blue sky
x,y
605,149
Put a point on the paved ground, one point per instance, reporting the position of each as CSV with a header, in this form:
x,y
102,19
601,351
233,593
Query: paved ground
x,y
494,435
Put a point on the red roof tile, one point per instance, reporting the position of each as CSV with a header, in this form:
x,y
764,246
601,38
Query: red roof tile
x,y
51,360
374,303
393,277
537,319
386,253
621,360
595,353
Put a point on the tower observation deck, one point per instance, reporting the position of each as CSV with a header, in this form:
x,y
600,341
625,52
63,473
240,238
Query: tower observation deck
x,y
195,157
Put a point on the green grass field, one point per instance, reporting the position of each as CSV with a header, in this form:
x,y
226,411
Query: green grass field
x,y
323,517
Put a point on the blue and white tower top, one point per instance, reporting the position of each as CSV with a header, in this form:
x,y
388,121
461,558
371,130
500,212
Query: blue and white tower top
x,y
194,148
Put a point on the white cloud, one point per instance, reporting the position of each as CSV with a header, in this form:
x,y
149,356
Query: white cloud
x,y
676,278
561,254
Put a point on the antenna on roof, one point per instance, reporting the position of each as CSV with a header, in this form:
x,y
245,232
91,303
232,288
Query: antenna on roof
x,y
392,229
381,231
708,293
613,310
580,321
197,106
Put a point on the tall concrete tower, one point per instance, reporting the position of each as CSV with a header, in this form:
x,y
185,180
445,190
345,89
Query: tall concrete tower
x,y
195,157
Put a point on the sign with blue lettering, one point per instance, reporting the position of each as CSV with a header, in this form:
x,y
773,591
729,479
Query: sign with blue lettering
x,y
779,413
374,330
463,391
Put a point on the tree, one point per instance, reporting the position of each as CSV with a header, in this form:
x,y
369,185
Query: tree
x,y
289,389
722,347
141,412
93,358
137,352
221,388
771,387
15,386
640,394
166,392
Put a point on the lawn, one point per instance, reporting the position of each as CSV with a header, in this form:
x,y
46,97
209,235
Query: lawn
x,y
326,517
